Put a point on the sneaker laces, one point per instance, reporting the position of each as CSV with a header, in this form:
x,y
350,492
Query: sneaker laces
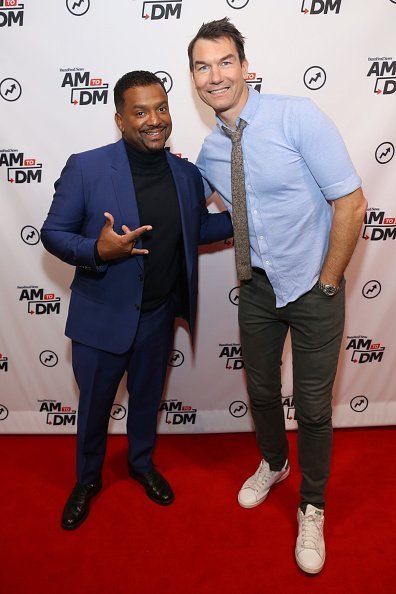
x,y
260,477
311,529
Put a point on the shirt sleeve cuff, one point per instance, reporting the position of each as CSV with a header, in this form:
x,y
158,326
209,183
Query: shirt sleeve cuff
x,y
340,189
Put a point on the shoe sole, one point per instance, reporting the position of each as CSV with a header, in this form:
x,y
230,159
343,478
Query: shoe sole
x,y
256,503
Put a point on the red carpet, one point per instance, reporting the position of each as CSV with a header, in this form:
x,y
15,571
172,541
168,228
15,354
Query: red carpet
x,y
204,543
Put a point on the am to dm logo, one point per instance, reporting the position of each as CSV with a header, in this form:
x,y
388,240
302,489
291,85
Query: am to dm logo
x,y
321,6
377,226
254,81
3,363
232,353
20,169
38,302
84,88
11,13
56,413
383,71
177,413
288,408
364,350
155,11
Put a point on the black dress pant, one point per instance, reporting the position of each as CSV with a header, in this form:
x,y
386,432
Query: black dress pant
x,y
98,374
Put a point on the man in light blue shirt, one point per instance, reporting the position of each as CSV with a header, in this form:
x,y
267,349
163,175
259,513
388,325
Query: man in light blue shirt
x,y
304,208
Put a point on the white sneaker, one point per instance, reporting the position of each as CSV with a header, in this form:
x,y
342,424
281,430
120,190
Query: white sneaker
x,y
310,545
257,487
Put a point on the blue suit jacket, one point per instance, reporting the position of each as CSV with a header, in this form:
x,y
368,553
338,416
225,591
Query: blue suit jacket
x,y
105,302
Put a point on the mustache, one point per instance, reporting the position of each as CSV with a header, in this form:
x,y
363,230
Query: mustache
x,y
151,128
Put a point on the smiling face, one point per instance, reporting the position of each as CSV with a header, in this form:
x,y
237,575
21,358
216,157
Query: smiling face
x,y
219,77
144,120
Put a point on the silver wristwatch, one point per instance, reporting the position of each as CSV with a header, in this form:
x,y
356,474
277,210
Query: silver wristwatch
x,y
328,290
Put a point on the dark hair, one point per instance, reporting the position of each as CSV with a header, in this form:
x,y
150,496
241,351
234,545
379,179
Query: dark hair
x,y
136,78
215,30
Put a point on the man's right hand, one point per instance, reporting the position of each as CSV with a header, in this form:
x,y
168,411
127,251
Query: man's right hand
x,y
111,246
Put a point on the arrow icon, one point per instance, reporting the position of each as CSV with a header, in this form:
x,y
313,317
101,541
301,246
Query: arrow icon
x,y
11,89
306,11
75,101
366,237
378,92
146,16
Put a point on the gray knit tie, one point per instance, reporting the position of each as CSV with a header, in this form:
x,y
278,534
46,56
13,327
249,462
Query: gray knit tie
x,y
239,214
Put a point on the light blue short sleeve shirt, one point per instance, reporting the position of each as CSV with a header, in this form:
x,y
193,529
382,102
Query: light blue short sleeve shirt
x,y
295,164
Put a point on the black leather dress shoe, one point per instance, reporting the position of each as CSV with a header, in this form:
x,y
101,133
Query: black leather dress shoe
x,y
76,509
157,487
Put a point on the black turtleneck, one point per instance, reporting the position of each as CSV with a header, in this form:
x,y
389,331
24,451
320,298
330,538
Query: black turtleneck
x,y
158,206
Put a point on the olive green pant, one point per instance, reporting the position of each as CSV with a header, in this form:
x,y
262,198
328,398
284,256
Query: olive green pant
x,y
316,324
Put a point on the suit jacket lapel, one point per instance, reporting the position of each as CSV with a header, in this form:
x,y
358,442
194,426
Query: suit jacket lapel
x,y
183,195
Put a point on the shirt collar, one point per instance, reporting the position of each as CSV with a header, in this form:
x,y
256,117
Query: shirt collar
x,y
249,110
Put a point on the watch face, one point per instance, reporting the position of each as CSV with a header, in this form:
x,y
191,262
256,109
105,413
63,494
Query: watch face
x,y
330,290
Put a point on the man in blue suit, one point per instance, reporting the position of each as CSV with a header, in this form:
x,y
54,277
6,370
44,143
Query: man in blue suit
x,y
129,216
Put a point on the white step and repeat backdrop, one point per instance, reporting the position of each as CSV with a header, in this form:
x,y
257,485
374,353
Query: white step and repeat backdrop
x,y
59,62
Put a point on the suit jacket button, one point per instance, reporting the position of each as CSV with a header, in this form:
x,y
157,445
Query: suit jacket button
x,y
137,306
141,277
